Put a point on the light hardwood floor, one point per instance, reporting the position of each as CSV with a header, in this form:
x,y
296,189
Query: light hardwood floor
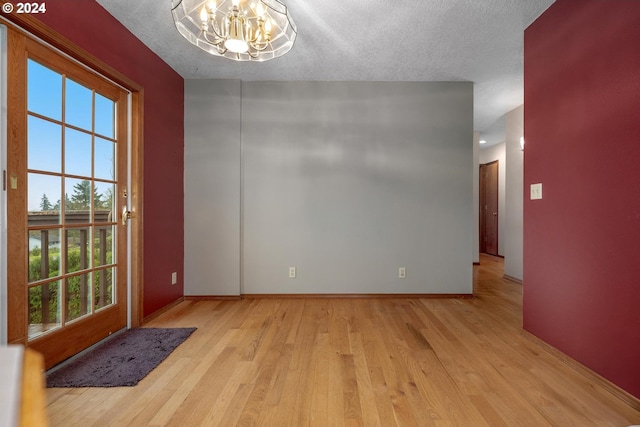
x,y
354,362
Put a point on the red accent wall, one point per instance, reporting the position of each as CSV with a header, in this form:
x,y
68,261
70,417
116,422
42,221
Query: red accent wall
x,y
582,131
91,27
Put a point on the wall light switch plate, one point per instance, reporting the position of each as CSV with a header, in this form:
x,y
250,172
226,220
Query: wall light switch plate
x,y
536,191
174,278
292,272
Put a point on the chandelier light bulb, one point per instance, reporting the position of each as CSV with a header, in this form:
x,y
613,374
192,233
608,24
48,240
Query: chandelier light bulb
x,y
236,46
236,42
204,15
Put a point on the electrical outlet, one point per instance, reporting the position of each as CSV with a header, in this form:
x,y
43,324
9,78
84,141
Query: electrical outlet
x,y
292,272
402,273
174,278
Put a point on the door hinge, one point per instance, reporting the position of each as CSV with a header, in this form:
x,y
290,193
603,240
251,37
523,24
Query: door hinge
x,y
4,180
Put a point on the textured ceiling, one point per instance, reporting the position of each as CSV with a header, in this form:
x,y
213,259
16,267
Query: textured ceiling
x,y
372,40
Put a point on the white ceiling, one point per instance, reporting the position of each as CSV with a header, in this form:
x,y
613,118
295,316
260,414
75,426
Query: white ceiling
x,y
480,41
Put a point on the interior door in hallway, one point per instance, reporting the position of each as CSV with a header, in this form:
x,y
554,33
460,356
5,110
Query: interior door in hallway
x,y
489,208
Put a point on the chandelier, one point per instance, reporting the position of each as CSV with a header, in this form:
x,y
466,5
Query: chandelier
x,y
242,30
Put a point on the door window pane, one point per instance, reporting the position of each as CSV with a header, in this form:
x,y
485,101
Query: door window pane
x,y
78,105
103,246
104,159
105,116
77,153
44,146
43,193
78,249
44,95
78,201
104,280
104,207
44,254
44,308
78,296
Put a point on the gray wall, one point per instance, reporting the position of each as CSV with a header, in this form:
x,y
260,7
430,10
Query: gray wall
x,y
513,256
212,187
346,181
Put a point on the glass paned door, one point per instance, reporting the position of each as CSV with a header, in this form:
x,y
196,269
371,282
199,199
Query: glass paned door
x,y
69,146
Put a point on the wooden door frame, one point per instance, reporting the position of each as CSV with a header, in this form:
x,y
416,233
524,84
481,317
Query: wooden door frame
x,y
32,27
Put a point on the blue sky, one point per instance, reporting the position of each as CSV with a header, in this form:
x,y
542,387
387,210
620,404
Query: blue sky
x,y
45,138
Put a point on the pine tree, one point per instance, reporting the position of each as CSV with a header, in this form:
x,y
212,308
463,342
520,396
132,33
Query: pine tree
x,y
81,197
45,205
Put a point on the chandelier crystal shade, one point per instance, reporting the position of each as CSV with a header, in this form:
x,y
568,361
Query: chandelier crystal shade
x,y
242,30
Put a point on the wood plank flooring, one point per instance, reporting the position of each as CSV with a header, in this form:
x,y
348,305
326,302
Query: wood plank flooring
x,y
354,362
